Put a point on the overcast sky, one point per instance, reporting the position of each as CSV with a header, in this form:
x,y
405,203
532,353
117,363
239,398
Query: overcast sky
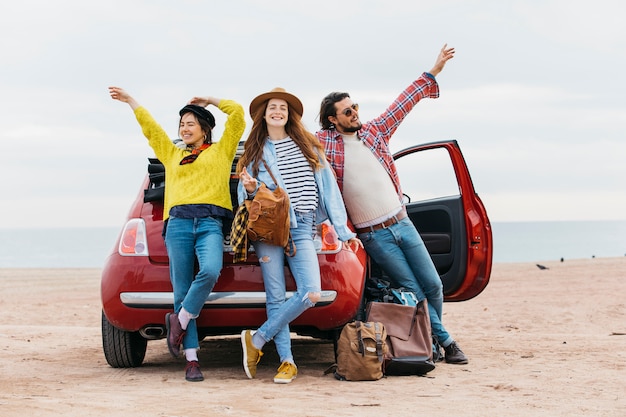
x,y
534,95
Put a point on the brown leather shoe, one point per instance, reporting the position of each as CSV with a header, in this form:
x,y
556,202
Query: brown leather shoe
x,y
192,372
175,333
455,355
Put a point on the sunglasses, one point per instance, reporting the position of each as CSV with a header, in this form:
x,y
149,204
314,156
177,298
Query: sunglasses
x,y
350,110
194,154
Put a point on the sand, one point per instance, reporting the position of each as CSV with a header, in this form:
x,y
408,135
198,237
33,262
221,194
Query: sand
x,y
540,342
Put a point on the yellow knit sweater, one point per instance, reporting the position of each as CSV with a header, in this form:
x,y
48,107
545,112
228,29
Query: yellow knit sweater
x,y
206,180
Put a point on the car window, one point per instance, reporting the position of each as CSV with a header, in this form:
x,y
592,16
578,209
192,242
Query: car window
x,y
427,175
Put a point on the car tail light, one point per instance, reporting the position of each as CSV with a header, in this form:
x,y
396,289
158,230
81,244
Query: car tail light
x,y
133,241
327,239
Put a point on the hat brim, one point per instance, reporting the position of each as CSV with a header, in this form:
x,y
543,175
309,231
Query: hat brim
x,y
262,99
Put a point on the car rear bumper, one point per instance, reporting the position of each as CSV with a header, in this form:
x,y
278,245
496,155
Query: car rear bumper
x,y
165,300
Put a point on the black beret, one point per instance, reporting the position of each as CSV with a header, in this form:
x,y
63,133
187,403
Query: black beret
x,y
200,112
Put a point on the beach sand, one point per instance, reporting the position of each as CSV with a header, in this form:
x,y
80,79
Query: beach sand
x,y
540,342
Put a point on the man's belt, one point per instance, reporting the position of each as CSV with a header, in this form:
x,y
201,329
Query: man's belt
x,y
389,222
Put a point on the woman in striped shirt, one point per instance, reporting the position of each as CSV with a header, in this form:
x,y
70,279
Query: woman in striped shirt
x,y
296,159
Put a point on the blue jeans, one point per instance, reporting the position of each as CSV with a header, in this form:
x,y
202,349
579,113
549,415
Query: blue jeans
x,y
187,240
401,253
306,273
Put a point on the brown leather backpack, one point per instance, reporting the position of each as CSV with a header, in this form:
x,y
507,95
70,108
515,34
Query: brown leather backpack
x,y
409,337
268,217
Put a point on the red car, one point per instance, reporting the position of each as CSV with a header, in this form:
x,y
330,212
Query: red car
x,y
136,290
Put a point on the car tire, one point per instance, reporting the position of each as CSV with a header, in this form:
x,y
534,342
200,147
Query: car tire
x,y
122,349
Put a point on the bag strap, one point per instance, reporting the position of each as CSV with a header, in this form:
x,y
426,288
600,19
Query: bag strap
x,y
379,339
290,249
359,338
270,171
379,342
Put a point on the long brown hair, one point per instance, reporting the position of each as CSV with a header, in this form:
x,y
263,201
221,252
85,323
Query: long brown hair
x,y
308,143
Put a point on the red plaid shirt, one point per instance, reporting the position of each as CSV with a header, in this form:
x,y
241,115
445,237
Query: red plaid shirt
x,y
377,132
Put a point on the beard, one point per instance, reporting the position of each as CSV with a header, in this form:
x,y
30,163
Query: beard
x,y
351,129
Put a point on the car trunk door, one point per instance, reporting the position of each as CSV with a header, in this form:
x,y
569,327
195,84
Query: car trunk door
x,y
442,203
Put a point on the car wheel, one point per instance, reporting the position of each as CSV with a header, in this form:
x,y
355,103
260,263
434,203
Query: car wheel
x,y
122,349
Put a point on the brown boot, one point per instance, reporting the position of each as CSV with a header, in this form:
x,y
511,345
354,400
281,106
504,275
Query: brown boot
x,y
175,333
193,372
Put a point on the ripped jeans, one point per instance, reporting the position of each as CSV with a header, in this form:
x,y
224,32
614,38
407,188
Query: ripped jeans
x,y
306,273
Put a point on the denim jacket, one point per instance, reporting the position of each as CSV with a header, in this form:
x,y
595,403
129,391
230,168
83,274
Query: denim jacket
x,y
330,204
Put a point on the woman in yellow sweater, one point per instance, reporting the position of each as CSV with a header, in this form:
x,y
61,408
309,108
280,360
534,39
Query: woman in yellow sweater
x,y
197,200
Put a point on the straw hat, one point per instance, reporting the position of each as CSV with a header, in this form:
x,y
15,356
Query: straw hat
x,y
259,101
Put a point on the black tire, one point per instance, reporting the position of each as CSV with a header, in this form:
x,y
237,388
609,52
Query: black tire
x,y
122,349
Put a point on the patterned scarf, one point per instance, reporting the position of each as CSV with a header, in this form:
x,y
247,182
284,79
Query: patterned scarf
x,y
194,154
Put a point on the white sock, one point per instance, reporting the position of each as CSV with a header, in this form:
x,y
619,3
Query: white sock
x,y
191,354
184,317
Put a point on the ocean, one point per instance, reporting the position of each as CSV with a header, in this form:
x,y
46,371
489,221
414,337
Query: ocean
x,y
513,242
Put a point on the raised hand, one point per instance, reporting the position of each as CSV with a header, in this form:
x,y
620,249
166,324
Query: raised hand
x,y
444,55
118,93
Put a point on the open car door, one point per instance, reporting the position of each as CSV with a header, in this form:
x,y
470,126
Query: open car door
x,y
451,218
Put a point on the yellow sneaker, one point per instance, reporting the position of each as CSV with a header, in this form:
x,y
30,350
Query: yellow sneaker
x,y
251,355
287,372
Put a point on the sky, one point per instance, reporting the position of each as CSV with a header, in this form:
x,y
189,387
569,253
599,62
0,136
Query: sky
x,y
534,94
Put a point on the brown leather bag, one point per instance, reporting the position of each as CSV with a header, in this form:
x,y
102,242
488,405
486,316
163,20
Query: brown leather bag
x,y
268,217
361,350
409,337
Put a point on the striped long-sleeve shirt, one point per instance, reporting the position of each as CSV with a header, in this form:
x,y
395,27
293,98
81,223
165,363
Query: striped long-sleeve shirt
x,y
297,176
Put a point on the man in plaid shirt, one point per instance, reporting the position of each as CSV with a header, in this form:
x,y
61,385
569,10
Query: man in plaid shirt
x,y
359,153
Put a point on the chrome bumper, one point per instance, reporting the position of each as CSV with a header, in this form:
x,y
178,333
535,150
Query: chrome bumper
x,y
165,300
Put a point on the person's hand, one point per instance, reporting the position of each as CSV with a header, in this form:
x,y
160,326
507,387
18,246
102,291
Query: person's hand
x,y
248,181
120,94
204,101
444,55
355,241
